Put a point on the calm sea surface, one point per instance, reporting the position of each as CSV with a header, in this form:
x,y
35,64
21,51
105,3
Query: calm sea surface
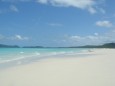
x,y
16,56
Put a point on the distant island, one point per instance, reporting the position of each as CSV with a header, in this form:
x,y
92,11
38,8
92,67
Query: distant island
x,y
16,46
33,47
8,46
106,45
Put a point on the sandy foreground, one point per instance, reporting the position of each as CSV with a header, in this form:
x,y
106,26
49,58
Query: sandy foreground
x,y
97,69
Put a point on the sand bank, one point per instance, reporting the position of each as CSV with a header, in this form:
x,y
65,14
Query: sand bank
x,y
97,69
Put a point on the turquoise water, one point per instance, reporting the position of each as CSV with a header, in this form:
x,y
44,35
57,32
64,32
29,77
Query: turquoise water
x,y
14,56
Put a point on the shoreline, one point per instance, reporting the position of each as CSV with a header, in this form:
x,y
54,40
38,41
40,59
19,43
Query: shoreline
x,y
23,60
93,70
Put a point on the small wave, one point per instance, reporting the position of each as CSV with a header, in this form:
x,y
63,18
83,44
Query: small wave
x,y
4,61
21,52
36,53
20,57
55,53
62,52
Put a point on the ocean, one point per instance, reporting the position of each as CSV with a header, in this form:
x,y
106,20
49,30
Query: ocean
x,y
16,56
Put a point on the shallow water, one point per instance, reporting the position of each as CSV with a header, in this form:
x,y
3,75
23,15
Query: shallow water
x,y
16,56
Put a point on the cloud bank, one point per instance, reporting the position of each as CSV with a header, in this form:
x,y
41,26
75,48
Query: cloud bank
x,y
82,4
94,39
104,23
90,5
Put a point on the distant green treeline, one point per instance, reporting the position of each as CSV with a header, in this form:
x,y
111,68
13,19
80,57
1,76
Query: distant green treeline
x,y
106,45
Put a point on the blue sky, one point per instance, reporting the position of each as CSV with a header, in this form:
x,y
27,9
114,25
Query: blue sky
x,y
57,22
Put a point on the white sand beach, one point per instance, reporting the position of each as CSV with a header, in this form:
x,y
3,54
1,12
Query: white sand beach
x,y
97,69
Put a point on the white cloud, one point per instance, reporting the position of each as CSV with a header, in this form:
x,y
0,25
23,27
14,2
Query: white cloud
x,y
80,38
76,38
19,37
15,37
55,24
14,8
92,10
104,23
94,39
96,34
89,5
42,1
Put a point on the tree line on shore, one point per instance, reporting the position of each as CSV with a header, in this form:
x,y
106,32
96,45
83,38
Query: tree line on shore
x,y
106,45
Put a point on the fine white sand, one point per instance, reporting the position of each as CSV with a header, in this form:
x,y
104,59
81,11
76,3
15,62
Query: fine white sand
x,y
97,69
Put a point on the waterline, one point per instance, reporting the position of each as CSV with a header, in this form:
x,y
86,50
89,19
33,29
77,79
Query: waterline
x,y
17,56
